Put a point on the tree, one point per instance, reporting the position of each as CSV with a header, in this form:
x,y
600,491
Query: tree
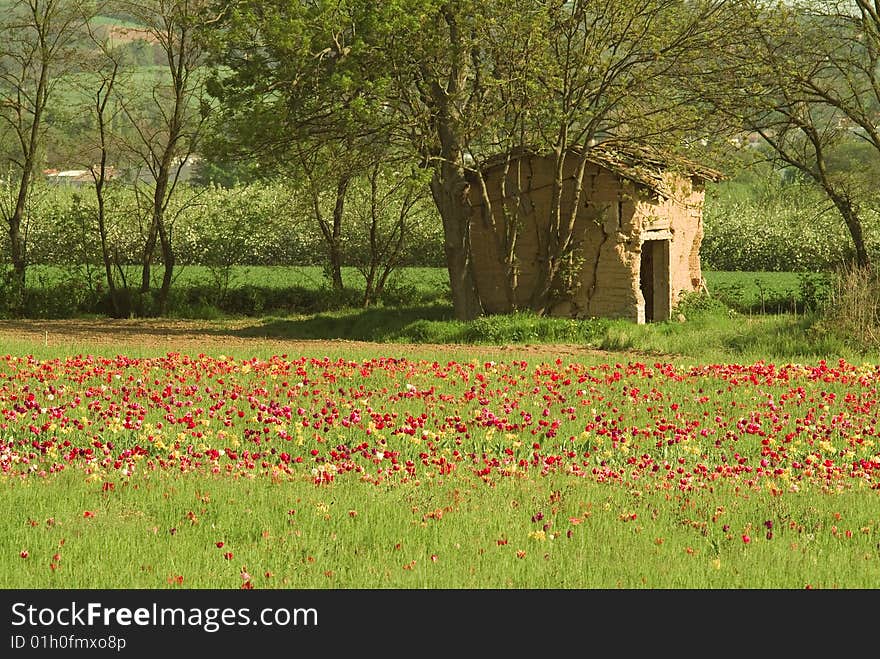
x,y
357,72
319,167
451,82
36,50
101,86
290,104
810,87
385,209
594,72
167,123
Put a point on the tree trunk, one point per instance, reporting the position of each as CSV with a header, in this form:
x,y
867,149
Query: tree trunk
x,y
335,266
17,246
336,234
168,260
374,257
18,257
539,300
854,225
548,242
447,97
100,177
29,140
100,180
147,255
449,189
157,232
504,236
332,231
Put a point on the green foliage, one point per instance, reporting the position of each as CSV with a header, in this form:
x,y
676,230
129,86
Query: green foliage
x,y
65,292
524,327
780,229
852,311
519,328
725,335
813,290
256,224
63,299
695,303
201,301
768,292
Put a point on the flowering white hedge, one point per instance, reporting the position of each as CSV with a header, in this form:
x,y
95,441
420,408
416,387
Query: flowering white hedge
x,y
251,225
783,234
265,224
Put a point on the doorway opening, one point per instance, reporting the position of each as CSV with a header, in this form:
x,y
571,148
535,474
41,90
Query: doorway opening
x,y
654,280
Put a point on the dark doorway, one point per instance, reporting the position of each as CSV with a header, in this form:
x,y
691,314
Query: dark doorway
x,y
654,280
646,279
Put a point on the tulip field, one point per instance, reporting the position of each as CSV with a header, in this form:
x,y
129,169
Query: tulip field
x,y
197,470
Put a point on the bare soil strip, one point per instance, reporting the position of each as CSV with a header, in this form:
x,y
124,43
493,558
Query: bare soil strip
x,y
195,336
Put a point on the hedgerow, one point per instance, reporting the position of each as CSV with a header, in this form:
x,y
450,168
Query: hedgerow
x,y
791,230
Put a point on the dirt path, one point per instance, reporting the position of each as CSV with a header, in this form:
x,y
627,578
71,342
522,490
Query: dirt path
x,y
234,336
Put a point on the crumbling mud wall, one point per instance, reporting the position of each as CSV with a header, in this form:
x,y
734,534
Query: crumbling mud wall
x,y
681,214
615,216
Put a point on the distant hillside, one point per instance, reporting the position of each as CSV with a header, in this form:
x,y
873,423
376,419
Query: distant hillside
x,y
141,45
121,34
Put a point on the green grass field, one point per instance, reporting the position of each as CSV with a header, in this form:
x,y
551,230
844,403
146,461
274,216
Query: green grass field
x,y
767,292
198,531
154,509
746,285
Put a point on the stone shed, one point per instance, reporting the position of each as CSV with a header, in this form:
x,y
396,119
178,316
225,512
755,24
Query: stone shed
x,y
636,239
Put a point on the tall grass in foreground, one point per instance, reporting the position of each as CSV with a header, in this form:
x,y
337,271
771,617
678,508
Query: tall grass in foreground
x,y
198,531
723,337
853,308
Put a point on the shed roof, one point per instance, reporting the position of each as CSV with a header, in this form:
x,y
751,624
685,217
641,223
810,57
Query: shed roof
x,y
642,165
